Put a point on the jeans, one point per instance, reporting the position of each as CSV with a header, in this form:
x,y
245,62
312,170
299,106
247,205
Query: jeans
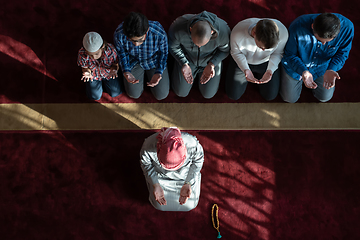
x,y
134,90
290,89
182,88
94,89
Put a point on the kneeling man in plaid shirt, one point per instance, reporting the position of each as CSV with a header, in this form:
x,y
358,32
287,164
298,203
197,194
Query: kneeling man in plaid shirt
x,y
142,47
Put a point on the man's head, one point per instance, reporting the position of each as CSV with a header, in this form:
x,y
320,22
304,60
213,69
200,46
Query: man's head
x,y
326,27
266,34
93,44
171,149
201,33
135,27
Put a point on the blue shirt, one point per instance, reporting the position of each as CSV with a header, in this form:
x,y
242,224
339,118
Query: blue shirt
x,y
151,54
304,52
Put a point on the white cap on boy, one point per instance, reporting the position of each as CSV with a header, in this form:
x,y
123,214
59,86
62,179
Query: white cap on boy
x,y
92,41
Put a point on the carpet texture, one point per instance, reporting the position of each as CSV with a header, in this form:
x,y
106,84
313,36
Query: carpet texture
x,y
268,184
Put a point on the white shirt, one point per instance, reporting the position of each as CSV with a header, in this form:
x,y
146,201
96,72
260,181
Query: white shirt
x,y
244,50
172,181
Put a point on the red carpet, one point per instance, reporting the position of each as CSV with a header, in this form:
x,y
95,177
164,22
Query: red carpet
x,y
268,185
39,41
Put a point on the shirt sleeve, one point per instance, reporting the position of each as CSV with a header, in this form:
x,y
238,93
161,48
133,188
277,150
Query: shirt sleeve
x,y
276,56
122,55
197,160
163,54
238,56
174,42
113,55
147,161
81,62
338,60
291,58
223,49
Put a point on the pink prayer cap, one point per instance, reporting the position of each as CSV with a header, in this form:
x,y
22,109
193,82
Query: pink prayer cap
x,y
171,148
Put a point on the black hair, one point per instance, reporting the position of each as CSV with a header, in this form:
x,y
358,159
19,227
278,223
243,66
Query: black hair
x,y
267,32
135,25
326,25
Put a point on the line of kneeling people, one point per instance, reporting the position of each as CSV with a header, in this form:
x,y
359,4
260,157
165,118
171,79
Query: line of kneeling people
x,y
264,52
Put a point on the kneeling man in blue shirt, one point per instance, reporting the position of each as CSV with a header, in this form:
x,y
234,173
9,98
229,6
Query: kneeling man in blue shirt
x,y
317,49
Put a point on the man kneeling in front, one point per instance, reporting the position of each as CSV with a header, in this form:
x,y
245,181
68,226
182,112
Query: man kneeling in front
x,y
171,162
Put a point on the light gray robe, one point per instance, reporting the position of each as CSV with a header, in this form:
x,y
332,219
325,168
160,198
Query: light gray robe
x,y
172,181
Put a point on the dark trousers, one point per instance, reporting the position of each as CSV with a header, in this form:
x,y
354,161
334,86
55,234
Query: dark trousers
x,y
182,88
94,89
236,82
134,90
290,89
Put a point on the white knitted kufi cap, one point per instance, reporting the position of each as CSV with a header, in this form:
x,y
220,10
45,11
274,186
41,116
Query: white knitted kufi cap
x,y
92,41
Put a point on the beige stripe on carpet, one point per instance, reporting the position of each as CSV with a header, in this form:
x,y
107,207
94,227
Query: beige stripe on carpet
x,y
187,116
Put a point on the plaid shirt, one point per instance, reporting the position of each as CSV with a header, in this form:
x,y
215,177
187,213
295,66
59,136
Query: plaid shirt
x,y
152,53
100,68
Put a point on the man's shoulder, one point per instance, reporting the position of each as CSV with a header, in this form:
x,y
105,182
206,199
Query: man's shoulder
x,y
156,28
304,19
302,24
182,21
179,27
119,28
82,53
249,21
150,142
244,25
82,50
342,17
345,22
222,28
119,34
189,140
110,48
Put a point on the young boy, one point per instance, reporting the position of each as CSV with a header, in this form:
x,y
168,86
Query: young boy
x,y
99,63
